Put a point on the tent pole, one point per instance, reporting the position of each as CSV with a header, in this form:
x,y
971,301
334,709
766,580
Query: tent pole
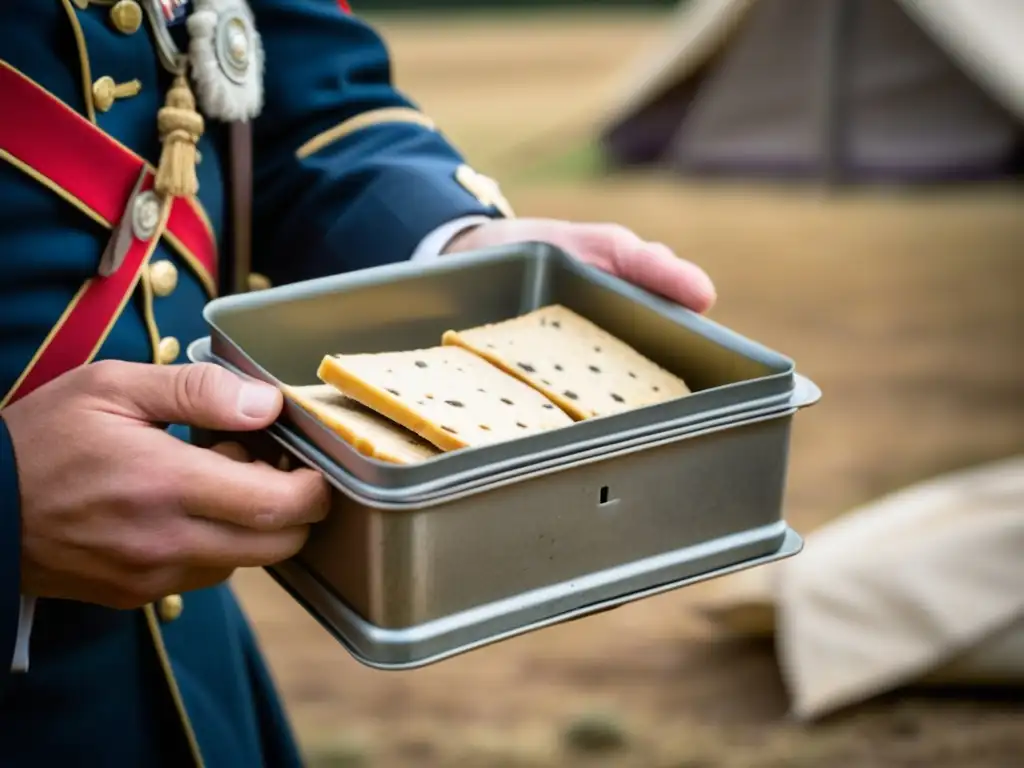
x,y
841,19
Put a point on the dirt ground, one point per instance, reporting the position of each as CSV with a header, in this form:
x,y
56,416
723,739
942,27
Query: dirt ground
x,y
905,308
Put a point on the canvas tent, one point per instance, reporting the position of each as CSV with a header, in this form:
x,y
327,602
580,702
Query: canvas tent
x,y
846,90
921,587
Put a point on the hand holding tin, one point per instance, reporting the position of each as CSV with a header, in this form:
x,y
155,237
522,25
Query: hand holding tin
x,y
116,511
644,499
609,247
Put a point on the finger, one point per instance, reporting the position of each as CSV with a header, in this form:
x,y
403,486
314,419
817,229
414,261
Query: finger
x,y
203,577
214,545
201,395
119,585
653,267
260,446
132,590
231,450
253,495
183,577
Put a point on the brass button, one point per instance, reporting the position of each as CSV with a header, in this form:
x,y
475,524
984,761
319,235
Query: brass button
x,y
105,92
258,282
126,16
163,276
170,607
168,350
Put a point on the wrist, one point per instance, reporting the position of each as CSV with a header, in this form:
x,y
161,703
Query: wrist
x,y
461,240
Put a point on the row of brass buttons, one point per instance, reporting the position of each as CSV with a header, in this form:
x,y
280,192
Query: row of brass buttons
x,y
127,16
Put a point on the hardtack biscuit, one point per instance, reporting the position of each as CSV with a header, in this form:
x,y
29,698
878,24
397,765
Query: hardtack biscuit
x,y
365,430
582,368
447,395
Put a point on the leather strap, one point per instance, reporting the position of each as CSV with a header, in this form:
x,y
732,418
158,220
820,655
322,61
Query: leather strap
x,y
241,207
240,267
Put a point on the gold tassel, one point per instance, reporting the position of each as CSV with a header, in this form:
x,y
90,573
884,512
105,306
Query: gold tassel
x,y
180,127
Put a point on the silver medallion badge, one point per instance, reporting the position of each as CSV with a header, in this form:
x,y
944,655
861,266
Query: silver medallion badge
x,y
226,59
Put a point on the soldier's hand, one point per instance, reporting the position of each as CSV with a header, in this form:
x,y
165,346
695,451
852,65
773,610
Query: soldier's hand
x,y
116,511
609,247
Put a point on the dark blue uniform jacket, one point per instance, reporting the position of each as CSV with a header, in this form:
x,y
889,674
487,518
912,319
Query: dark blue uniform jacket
x,y
348,175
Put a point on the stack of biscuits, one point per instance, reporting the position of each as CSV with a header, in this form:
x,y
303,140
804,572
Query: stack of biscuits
x,y
541,371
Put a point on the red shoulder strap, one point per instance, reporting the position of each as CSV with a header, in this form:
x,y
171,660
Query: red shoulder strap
x,y
92,171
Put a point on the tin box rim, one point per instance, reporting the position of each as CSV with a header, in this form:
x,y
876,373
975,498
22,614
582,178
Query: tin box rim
x,y
803,394
316,459
775,385
434,641
465,466
455,262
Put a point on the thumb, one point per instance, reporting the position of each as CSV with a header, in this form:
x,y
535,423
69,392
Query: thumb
x,y
200,395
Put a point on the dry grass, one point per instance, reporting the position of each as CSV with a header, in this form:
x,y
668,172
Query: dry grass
x,y
905,309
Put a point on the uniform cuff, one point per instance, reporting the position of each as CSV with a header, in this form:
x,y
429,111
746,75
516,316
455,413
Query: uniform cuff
x,y
10,547
433,245
26,614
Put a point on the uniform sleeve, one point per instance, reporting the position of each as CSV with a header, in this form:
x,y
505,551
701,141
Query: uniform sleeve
x,y
10,551
348,172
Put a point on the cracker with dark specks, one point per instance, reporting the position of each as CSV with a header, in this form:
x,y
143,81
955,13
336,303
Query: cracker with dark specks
x,y
584,369
364,429
447,395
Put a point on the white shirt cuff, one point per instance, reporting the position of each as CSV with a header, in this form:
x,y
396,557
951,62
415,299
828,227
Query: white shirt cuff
x,y
26,613
432,245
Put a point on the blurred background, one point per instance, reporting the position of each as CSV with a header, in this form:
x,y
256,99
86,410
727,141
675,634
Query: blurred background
x,y
848,173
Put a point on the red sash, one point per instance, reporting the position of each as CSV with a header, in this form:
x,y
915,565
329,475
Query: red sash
x,y
63,150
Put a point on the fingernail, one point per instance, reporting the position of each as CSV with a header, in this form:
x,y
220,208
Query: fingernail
x,y
708,290
257,401
703,288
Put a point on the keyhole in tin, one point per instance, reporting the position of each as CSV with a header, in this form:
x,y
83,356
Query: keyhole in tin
x,y
604,496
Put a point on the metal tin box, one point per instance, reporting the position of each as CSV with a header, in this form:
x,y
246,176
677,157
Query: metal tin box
x,y
282,334
418,563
